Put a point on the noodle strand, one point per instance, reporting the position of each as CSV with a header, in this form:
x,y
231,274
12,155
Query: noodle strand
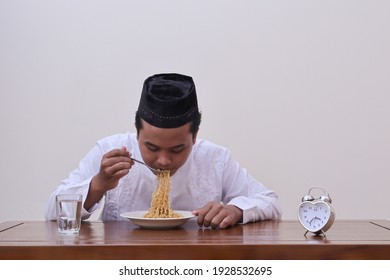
x,y
160,207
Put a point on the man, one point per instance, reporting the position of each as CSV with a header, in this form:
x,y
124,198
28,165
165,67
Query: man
x,y
204,177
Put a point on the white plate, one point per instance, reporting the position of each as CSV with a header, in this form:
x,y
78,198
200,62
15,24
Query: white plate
x,y
137,218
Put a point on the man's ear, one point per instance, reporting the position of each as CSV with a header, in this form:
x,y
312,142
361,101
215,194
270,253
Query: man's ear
x,y
136,130
194,137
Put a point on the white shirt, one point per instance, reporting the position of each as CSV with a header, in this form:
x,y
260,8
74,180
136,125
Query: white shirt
x,y
209,174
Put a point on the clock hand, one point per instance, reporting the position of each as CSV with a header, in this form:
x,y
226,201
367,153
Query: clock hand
x,y
313,219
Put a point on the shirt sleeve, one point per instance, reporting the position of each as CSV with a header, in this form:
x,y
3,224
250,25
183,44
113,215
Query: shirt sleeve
x,y
77,183
242,190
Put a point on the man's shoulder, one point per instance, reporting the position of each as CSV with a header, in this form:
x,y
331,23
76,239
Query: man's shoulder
x,y
208,148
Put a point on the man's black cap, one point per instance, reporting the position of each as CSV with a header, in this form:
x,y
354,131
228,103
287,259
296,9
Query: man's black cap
x,y
168,100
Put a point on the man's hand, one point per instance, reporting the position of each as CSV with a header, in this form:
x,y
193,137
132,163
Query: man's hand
x,y
114,165
216,214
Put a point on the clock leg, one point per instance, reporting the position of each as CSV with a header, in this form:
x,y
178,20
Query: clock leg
x,y
320,232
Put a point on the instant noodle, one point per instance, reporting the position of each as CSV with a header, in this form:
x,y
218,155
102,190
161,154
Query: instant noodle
x,y
160,206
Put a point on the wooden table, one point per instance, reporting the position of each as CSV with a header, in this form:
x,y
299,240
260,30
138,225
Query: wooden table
x,y
271,240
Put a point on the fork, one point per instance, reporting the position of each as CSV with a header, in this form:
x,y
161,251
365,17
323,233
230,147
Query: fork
x,y
141,162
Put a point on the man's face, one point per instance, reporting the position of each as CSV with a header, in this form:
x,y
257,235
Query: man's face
x,y
165,148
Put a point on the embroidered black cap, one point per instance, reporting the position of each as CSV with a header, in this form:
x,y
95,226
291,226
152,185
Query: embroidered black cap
x,y
168,100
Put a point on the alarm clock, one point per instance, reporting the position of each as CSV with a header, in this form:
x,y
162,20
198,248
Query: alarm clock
x,y
316,214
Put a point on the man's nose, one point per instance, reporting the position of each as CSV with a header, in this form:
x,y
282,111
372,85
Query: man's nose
x,y
163,159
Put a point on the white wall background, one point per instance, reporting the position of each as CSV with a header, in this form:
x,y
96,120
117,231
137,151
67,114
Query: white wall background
x,y
298,90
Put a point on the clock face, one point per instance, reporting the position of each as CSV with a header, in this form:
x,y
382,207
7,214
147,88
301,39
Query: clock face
x,y
314,216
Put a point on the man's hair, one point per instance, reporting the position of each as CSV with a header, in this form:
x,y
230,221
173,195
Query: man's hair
x,y
195,123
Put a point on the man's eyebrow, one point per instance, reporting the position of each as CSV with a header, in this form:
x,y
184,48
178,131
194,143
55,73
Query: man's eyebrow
x,y
150,144
178,146
155,146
